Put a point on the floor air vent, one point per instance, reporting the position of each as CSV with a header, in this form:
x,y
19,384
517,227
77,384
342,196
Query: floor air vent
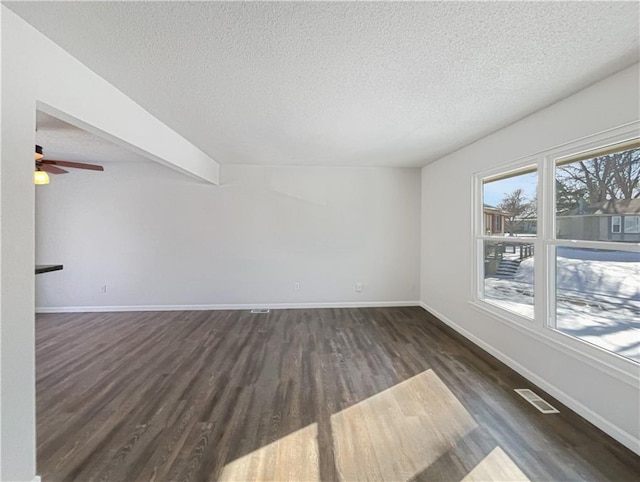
x,y
536,401
260,311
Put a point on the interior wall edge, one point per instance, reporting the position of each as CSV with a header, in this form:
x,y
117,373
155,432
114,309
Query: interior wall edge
x,y
72,88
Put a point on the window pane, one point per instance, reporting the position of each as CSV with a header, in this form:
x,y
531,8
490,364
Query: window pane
x,y
510,205
598,298
598,199
508,276
632,224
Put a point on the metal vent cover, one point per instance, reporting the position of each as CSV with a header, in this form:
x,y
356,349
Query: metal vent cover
x,y
535,400
260,311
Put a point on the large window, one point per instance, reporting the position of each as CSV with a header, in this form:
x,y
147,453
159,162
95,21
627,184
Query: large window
x,y
508,243
567,259
597,296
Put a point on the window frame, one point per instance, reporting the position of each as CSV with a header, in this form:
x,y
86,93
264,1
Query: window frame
x,y
497,224
543,326
522,166
614,223
636,228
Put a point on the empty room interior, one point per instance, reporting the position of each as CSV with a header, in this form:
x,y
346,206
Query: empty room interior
x,y
304,241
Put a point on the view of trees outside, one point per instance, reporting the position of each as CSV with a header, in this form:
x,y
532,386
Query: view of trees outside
x,y
597,290
513,201
515,196
521,209
598,299
614,176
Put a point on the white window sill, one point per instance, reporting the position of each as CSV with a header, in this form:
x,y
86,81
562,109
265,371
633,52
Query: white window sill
x,y
603,360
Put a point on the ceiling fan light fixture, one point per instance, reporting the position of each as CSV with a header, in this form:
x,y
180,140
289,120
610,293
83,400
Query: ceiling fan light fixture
x,y
38,155
40,177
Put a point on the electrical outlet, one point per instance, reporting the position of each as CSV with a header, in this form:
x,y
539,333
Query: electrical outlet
x,y
358,287
103,289
296,286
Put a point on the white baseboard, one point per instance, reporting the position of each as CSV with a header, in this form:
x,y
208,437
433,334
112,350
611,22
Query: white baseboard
x,y
37,479
622,436
232,306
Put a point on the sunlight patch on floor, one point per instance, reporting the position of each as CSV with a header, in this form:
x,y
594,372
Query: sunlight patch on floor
x,y
398,433
497,465
293,457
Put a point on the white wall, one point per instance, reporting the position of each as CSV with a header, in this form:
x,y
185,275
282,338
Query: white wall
x,y
36,72
607,394
158,239
73,92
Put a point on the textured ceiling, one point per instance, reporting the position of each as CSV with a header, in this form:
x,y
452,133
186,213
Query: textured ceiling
x,y
64,142
396,84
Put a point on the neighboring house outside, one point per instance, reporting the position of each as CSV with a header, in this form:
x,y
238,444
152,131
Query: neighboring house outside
x,y
494,224
494,220
611,220
522,226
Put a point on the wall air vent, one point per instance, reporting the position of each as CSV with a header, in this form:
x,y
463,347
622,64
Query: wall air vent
x,y
260,311
535,400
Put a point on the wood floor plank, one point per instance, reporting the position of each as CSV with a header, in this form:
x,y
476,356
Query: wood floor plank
x,y
327,394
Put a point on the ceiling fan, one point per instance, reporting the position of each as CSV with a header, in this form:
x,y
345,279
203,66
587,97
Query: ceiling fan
x,y
44,166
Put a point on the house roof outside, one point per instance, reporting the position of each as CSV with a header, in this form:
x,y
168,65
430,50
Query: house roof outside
x,y
607,208
489,209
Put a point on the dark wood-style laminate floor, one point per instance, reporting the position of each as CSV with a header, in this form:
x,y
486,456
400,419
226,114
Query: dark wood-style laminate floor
x,y
330,394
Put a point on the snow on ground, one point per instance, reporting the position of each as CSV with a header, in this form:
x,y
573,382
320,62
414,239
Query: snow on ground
x,y
598,297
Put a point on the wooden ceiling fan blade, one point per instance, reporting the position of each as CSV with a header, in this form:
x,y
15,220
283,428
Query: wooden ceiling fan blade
x,y
52,169
77,165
